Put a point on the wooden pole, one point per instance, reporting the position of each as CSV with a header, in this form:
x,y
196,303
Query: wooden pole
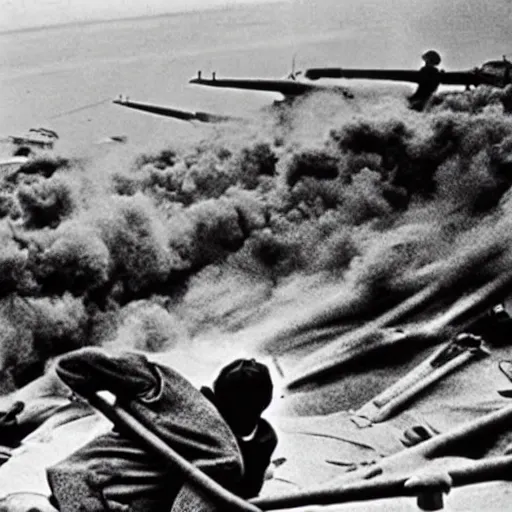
x,y
203,483
486,470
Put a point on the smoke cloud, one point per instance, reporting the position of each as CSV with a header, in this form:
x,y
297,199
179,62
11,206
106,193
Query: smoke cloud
x,y
308,218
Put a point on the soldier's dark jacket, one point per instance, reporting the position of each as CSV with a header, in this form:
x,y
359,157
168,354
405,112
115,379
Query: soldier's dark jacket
x,y
256,454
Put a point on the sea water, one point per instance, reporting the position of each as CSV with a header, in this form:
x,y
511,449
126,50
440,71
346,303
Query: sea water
x,y
47,75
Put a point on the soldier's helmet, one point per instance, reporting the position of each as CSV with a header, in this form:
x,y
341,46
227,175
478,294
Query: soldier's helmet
x,y
242,380
243,390
432,58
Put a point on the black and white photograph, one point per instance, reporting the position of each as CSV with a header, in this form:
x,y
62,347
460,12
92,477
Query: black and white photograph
x,y
255,255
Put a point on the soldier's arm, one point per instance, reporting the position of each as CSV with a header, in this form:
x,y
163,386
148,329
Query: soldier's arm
x,y
92,369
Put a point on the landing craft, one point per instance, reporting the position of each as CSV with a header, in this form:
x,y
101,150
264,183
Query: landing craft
x,y
290,87
495,73
175,113
25,147
36,138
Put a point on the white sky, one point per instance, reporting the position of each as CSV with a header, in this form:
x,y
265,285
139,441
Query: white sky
x,y
15,14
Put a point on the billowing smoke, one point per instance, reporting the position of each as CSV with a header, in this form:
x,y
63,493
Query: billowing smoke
x,y
309,219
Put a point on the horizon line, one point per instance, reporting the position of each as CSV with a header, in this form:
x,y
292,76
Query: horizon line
x,y
164,14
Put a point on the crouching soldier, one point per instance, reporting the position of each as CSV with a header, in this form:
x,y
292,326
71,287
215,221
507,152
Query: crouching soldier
x,y
222,435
